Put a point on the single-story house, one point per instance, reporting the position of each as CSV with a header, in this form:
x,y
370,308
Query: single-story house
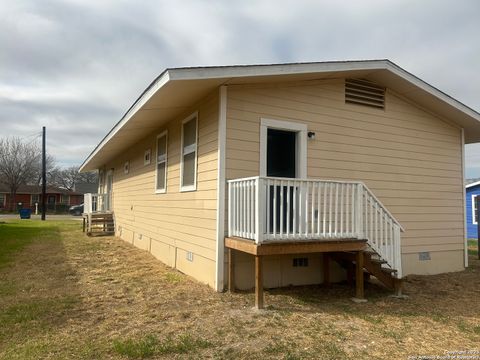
x,y
472,190
28,196
290,174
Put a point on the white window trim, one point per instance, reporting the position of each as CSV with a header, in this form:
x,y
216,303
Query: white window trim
x,y
301,143
190,149
473,208
164,190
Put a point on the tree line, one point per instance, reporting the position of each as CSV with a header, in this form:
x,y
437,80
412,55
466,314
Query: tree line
x,y
21,164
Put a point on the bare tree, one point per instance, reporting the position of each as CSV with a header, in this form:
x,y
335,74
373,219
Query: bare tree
x,y
51,169
90,177
67,178
18,164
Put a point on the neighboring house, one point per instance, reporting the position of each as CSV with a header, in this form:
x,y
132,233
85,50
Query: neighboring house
x,y
472,191
84,187
57,199
359,162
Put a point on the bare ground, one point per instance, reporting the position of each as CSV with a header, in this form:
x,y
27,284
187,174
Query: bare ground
x,y
89,298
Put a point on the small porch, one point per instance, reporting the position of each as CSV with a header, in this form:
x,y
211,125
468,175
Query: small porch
x,y
97,216
342,220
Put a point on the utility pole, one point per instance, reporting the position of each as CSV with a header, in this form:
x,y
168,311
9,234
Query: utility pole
x,y
44,173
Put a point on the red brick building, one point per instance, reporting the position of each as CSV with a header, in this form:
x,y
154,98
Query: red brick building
x,y
57,199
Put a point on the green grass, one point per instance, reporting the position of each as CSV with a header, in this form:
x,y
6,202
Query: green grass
x,y
476,329
37,302
13,238
173,278
35,310
472,247
150,345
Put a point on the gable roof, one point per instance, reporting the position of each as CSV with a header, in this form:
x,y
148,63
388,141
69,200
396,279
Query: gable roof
x,y
84,188
472,184
175,89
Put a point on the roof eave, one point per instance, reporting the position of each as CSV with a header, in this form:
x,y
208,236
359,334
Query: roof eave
x,y
244,71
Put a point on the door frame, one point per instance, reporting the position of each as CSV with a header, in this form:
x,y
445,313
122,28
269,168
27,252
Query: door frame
x,y
300,144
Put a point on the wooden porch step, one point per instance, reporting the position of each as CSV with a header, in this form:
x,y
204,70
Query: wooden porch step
x,y
99,224
378,261
388,270
372,265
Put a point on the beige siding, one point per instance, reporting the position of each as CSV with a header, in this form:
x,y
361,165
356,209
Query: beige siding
x,y
410,158
170,225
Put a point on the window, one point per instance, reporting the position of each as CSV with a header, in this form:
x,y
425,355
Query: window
x,y
64,199
35,199
474,209
146,157
161,173
188,170
126,167
2,200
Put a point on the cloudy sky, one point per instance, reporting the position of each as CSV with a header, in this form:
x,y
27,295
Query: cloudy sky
x,y
77,65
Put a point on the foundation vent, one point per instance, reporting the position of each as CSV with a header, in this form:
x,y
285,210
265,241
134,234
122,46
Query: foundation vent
x,y
364,92
300,262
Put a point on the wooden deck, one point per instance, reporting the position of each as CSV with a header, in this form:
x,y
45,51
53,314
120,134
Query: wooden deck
x,y
352,246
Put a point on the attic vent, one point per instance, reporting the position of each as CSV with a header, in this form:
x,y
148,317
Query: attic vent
x,y
364,92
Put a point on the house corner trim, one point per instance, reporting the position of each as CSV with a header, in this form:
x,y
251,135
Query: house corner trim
x,y
465,233
222,137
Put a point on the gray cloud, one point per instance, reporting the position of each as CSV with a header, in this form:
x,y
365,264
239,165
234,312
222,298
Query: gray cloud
x,y
76,65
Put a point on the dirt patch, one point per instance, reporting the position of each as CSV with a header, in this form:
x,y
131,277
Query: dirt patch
x,y
111,300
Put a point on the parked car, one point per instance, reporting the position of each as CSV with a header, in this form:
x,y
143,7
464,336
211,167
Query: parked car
x,y
76,210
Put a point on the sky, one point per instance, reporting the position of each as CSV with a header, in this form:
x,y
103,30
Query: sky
x,y
76,66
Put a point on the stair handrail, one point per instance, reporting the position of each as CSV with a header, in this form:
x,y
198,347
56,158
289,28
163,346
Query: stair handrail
x,y
384,208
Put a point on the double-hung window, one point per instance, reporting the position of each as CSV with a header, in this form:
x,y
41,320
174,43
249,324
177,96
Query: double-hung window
x,y
188,175
161,161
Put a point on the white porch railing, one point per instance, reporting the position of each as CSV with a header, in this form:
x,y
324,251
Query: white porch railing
x,y
93,203
268,209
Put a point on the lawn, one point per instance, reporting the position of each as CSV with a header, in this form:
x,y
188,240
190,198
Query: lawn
x,y
67,296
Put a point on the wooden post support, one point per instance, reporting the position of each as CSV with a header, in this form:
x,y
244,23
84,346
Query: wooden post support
x,y
326,269
359,290
398,287
258,282
83,223
350,271
231,271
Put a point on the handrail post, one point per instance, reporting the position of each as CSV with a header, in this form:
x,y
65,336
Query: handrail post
x,y
230,210
359,212
398,251
259,209
87,203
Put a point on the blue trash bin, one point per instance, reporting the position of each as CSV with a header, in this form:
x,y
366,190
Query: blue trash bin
x,y
25,213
